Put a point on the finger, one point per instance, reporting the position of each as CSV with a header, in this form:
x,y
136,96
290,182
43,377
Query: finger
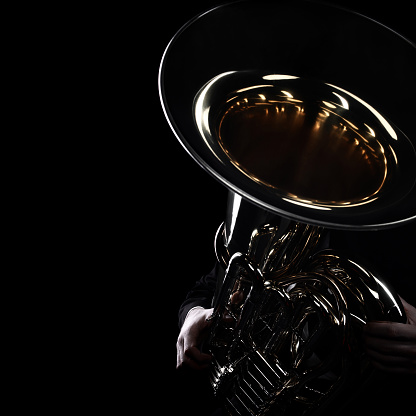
x,y
390,347
183,362
179,353
392,364
189,363
406,305
390,360
410,312
394,369
390,330
199,357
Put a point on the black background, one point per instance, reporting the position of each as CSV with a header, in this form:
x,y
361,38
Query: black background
x,y
183,206
115,221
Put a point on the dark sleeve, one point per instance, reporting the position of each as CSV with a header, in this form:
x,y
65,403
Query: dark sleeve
x,y
201,294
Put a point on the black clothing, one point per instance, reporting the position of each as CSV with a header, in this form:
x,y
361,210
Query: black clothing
x,y
392,254
201,294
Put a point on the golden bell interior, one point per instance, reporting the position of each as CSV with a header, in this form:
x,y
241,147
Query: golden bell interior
x,y
317,156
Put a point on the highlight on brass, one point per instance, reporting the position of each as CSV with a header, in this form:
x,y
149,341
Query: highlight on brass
x,y
310,142
286,335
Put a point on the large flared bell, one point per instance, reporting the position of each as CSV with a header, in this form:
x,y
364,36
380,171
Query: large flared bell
x,y
340,73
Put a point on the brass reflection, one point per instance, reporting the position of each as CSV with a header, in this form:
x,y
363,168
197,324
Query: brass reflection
x,y
310,151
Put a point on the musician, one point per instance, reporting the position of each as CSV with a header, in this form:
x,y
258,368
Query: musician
x,y
390,346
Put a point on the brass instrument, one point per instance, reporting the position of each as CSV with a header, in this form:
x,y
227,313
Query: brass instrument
x,y
299,156
286,334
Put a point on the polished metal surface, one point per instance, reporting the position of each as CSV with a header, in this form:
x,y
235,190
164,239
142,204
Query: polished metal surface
x,y
359,62
304,112
244,226
297,143
286,335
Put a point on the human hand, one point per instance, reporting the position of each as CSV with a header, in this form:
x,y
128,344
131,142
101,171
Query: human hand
x,y
194,330
391,346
